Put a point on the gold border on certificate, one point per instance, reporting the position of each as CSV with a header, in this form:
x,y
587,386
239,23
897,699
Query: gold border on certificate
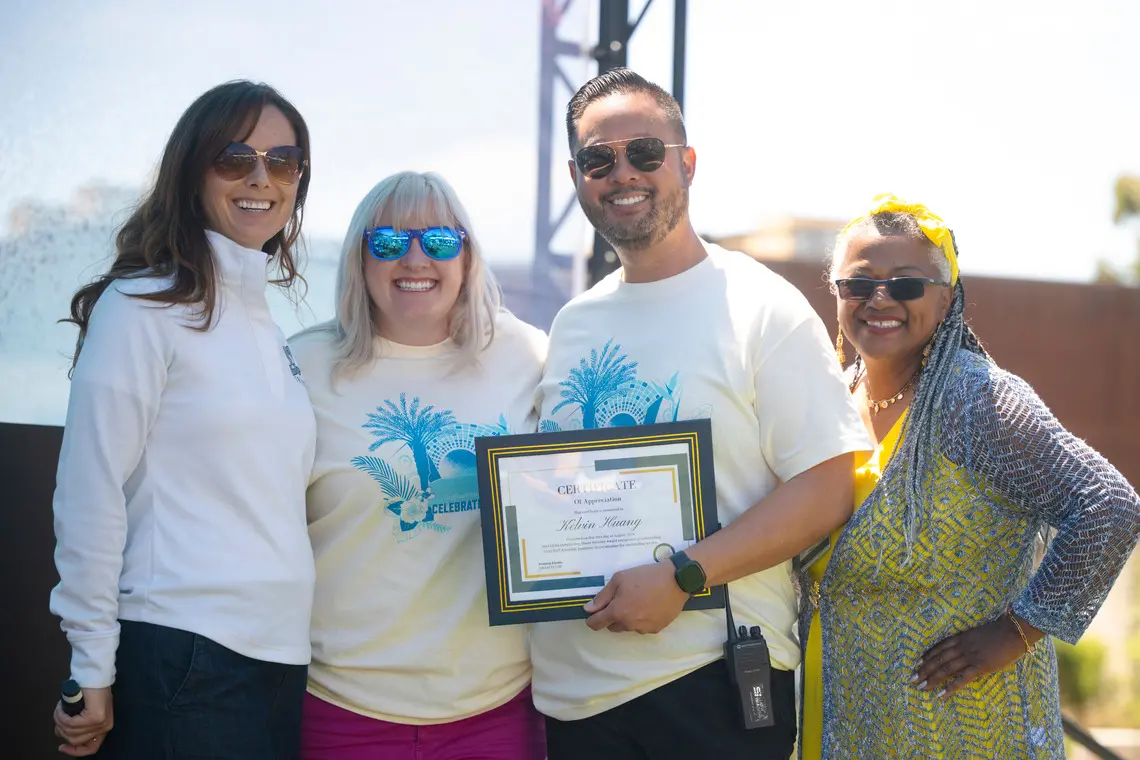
x,y
562,592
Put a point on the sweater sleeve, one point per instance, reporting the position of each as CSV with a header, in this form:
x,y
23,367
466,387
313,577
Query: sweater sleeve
x,y
1000,429
115,394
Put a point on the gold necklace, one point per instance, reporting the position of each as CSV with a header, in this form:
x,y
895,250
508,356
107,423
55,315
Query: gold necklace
x,y
876,406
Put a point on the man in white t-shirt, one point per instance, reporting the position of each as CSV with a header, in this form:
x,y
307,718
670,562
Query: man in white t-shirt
x,y
686,330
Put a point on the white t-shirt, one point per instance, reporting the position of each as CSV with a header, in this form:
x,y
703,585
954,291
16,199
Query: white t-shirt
x,y
728,340
400,630
180,495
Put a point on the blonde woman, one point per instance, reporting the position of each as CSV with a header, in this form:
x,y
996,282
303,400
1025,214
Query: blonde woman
x,y
419,361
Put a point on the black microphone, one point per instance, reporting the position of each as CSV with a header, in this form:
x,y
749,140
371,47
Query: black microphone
x,y
71,698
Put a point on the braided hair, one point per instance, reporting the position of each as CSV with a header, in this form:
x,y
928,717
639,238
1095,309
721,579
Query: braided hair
x,y
919,445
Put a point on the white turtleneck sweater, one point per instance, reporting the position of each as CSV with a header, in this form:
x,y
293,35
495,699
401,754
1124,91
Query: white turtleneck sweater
x,y
180,493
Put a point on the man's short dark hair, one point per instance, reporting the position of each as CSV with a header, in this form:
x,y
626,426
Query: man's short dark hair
x,y
621,82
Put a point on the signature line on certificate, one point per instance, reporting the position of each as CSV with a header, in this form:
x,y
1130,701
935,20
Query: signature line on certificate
x,y
526,572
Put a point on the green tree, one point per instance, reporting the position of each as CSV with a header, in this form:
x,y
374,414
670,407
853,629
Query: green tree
x,y
1126,210
1080,670
1127,198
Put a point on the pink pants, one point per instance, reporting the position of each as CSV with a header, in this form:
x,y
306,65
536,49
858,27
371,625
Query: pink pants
x,y
513,731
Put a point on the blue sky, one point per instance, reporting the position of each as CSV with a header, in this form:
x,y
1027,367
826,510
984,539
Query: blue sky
x,y
1010,119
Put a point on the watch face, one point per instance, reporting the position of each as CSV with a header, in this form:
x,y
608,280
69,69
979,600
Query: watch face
x,y
691,578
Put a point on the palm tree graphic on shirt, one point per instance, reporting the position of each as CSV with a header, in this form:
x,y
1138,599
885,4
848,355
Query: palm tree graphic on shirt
x,y
414,426
607,392
592,383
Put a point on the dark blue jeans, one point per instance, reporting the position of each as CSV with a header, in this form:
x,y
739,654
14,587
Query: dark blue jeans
x,y
181,696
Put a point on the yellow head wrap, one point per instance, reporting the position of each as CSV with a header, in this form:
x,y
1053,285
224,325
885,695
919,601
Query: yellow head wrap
x,y
930,223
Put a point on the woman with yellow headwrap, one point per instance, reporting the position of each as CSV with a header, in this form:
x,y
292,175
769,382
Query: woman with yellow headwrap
x,y
927,625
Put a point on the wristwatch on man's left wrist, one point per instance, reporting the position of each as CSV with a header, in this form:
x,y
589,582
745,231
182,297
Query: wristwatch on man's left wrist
x,y
688,573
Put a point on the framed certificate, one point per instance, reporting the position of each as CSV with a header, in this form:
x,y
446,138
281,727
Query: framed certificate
x,y
562,512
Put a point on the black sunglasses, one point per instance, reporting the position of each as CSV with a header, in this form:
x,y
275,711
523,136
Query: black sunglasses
x,y
646,154
898,288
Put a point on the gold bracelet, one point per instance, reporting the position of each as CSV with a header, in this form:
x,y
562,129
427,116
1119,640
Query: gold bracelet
x,y
1028,647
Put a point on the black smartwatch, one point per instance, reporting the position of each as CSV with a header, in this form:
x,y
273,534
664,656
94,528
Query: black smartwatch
x,y
689,574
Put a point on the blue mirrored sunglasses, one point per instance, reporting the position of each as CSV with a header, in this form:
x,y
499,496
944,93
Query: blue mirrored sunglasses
x,y
439,243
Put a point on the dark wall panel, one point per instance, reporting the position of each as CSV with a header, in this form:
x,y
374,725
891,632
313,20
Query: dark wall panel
x,y
35,652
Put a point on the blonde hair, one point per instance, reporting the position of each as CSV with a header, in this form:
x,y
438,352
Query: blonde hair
x,y
405,200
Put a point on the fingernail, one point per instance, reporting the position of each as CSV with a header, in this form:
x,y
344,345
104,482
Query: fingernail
x,y
920,662
941,693
922,685
913,678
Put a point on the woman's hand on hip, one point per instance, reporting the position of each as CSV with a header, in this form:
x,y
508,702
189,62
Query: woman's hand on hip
x,y
959,659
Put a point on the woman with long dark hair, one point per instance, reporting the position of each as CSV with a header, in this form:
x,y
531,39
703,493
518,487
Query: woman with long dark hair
x,y
186,573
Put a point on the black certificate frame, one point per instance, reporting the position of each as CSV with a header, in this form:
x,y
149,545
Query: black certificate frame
x,y
700,489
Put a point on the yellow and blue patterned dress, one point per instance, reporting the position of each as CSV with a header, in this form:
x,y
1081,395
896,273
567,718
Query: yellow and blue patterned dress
x,y
868,471
1006,468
